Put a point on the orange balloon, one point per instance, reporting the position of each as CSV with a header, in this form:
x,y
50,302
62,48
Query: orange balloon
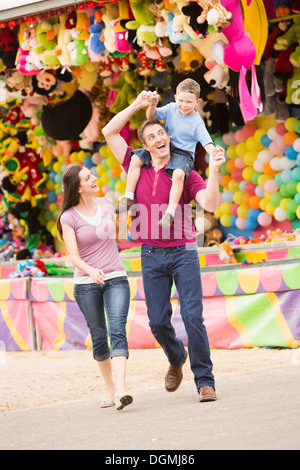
x,y
230,166
246,199
100,193
289,138
267,170
116,171
225,180
255,202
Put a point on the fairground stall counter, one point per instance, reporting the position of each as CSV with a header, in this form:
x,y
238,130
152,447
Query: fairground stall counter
x,y
251,303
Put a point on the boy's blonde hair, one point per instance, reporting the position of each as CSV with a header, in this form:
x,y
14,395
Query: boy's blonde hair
x,y
189,86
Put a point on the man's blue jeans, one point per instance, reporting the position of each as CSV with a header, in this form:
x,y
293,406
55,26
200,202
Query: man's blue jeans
x,y
160,266
114,297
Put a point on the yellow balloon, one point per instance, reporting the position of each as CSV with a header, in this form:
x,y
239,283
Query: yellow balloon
x,y
247,173
298,212
50,184
241,149
233,186
105,178
258,134
111,161
263,204
52,207
120,186
57,167
267,196
225,220
225,207
231,152
242,211
238,197
270,209
81,155
290,124
262,179
218,213
250,158
284,202
298,187
74,157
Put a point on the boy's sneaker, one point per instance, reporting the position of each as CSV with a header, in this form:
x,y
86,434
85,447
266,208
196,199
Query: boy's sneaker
x,y
166,221
124,204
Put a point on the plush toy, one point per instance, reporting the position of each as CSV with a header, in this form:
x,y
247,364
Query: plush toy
x,y
8,47
144,22
274,69
27,62
193,11
214,13
68,119
96,46
46,35
17,82
239,55
111,13
227,254
207,226
46,83
67,22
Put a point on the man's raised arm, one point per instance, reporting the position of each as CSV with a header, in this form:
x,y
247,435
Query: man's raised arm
x,y
112,130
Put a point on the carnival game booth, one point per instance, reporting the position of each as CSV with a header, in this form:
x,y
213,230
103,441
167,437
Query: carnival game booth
x,y
67,67
252,303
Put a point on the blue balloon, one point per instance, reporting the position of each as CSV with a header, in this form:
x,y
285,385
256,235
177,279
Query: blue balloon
x,y
251,224
265,141
52,196
233,221
297,198
278,179
88,161
286,176
253,214
291,153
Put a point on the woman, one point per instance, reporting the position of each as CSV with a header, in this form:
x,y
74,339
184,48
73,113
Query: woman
x,y
87,227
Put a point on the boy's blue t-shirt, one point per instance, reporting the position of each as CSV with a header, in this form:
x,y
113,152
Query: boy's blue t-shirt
x,y
185,131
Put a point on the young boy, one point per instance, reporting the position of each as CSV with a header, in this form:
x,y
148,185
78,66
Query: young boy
x,y
186,129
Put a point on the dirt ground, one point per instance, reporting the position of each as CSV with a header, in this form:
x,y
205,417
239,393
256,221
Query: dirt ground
x,y
34,379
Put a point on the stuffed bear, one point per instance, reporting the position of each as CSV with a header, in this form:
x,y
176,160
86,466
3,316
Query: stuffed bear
x,y
207,225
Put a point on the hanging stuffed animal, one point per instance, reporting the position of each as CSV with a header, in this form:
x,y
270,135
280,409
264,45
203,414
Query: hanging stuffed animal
x,y
214,13
239,55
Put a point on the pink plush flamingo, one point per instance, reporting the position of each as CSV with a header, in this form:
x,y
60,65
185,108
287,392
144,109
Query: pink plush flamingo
x,y
239,55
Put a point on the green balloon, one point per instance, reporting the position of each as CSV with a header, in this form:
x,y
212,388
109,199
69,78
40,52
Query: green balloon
x,y
276,198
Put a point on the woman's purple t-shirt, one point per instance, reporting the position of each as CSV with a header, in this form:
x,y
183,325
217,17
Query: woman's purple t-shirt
x,y
96,244
152,195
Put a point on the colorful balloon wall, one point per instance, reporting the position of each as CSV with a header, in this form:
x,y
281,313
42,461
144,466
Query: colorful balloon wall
x,y
260,181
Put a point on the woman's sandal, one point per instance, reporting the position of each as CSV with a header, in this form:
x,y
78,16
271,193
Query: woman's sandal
x,y
107,403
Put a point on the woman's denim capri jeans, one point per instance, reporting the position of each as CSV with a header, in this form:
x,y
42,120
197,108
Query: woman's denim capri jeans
x,y
112,298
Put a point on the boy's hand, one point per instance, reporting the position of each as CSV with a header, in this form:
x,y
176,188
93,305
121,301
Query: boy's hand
x,y
217,158
155,98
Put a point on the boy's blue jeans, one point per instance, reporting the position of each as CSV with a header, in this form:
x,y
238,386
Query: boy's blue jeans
x,y
114,297
160,266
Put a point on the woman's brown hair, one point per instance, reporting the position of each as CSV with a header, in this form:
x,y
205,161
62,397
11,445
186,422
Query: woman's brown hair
x,y
71,196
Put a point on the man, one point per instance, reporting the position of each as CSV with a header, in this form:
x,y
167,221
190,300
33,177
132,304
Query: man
x,y
168,257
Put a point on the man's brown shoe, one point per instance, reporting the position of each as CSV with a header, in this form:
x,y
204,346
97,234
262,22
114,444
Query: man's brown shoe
x,y
207,393
124,204
174,376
